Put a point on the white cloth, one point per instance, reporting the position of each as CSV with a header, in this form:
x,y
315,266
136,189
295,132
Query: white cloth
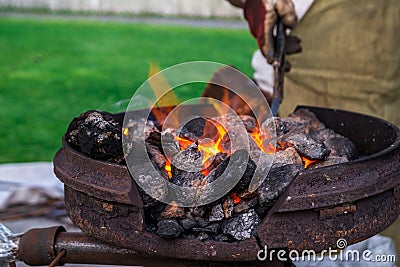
x,y
28,183
264,72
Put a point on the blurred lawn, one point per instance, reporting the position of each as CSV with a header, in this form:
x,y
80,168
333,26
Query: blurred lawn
x,y
51,71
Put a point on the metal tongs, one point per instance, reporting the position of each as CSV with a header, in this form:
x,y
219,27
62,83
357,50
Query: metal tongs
x,y
279,67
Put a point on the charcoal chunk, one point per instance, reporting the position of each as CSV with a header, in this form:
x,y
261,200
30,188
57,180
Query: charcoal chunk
x,y
308,146
169,146
173,211
186,167
228,206
221,238
153,214
210,229
249,123
313,123
339,145
157,158
148,177
202,222
214,161
141,128
276,182
192,129
97,135
169,229
150,227
198,128
286,157
189,159
245,205
246,195
188,223
185,178
242,226
198,211
154,139
157,187
147,200
278,126
302,121
239,161
217,213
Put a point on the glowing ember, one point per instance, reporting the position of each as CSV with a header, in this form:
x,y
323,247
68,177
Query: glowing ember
x,y
307,162
208,146
236,199
257,138
168,169
125,131
211,148
183,142
269,148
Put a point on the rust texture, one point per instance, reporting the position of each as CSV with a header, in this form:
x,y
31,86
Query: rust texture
x,y
52,246
348,182
336,211
104,180
36,247
353,200
118,228
308,230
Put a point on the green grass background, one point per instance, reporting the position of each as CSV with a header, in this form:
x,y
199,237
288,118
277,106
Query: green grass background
x,y
53,70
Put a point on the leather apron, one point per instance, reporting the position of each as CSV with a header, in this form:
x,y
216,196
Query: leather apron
x,y
350,58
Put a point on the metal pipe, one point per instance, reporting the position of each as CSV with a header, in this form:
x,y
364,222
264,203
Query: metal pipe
x,y
53,246
87,250
43,246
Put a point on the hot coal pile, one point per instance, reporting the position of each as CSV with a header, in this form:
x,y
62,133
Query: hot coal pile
x,y
203,148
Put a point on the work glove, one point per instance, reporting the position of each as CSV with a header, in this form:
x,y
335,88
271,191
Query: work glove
x,y
262,16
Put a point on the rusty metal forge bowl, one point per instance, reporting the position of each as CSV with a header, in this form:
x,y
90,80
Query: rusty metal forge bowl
x,y
353,200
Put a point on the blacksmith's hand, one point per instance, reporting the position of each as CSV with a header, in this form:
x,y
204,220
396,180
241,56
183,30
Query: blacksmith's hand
x,y
262,17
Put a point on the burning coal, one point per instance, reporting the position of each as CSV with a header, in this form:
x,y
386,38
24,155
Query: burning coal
x,y
198,153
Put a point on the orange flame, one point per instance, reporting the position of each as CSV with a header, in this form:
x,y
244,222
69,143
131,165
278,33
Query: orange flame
x,y
168,169
209,148
236,199
183,143
159,85
308,162
212,148
269,148
125,131
257,138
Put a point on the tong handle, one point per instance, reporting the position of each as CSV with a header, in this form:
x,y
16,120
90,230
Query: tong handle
x,y
279,66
